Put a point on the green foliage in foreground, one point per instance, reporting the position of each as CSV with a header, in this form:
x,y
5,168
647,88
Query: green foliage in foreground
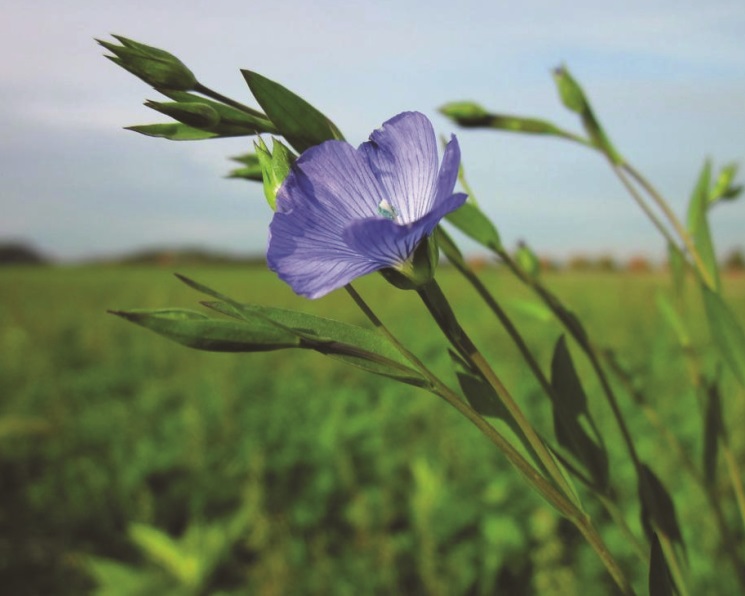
x,y
133,466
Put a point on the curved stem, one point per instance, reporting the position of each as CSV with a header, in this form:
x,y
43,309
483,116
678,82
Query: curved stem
x,y
674,221
570,325
534,478
493,304
642,203
199,88
435,301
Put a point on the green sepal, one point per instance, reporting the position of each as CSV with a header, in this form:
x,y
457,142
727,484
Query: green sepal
x,y
156,67
569,404
574,98
296,120
354,345
418,270
251,169
698,224
470,220
196,330
275,167
726,331
173,131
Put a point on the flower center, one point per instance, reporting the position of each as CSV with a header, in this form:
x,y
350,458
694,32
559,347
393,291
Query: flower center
x,y
387,210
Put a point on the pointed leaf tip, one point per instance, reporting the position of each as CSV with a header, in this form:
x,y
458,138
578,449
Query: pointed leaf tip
x,y
299,122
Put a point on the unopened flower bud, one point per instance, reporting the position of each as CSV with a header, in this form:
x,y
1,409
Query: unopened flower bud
x,y
275,166
198,115
154,66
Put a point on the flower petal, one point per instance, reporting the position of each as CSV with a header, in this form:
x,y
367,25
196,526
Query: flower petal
x,y
334,177
328,228
402,155
329,186
389,244
449,169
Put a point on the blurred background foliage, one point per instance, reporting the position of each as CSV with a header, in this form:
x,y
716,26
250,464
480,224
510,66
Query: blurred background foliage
x,y
131,465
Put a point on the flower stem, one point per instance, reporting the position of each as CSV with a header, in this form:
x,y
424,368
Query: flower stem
x,y
674,221
534,478
199,88
435,301
605,497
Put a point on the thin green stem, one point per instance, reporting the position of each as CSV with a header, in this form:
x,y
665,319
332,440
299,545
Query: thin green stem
x,y
728,540
435,301
571,326
534,478
442,390
535,368
199,88
680,229
619,172
673,564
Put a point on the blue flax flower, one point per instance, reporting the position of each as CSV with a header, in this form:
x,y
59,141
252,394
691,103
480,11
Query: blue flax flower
x,y
344,212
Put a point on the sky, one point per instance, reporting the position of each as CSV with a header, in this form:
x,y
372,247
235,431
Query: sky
x,y
666,78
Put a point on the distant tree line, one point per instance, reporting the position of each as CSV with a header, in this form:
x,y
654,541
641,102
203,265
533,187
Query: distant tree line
x,y
20,253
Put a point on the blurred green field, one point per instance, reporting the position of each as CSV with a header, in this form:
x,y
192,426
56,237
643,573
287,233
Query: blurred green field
x,y
142,467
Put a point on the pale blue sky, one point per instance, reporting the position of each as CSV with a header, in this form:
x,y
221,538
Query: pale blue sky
x,y
666,77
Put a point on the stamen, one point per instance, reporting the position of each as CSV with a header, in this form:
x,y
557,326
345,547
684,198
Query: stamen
x,y
387,210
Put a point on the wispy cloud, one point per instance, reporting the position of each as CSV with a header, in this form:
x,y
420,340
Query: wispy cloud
x,y
668,78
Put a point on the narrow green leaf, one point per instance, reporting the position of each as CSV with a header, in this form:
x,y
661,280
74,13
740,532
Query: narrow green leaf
x,y
726,331
195,330
713,430
569,407
173,131
484,400
565,381
355,345
698,224
299,122
660,580
658,509
677,264
674,320
168,554
479,394
470,220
